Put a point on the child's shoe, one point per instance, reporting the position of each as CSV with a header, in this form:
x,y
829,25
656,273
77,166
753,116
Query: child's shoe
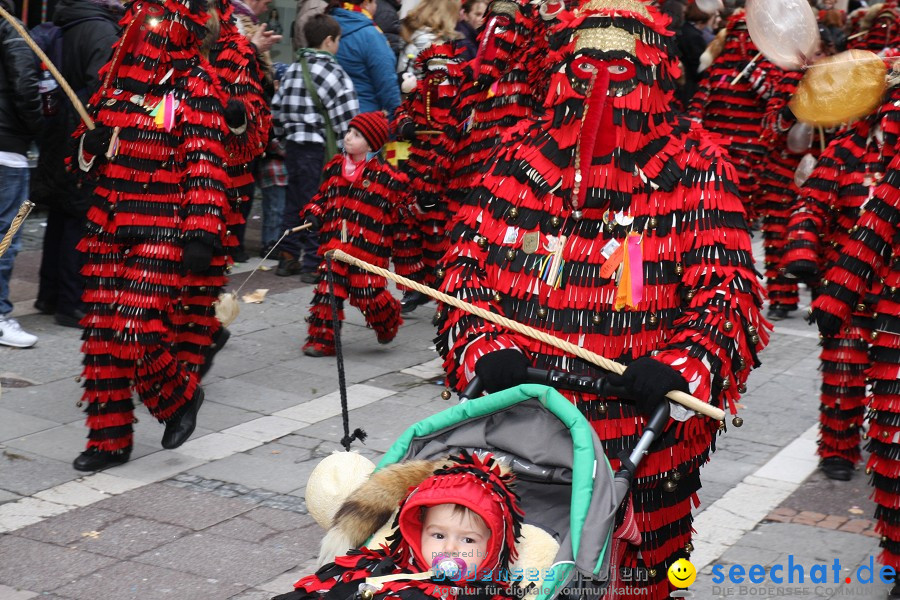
x,y
317,351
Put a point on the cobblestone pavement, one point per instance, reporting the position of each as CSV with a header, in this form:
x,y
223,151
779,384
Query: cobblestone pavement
x,y
224,515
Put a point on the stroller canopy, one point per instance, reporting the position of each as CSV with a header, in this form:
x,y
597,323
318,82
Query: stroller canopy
x,y
563,478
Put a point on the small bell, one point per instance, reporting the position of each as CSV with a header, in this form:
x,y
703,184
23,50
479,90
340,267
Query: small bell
x,y
513,212
440,273
689,547
653,319
542,312
602,408
737,422
596,318
497,297
670,486
510,254
554,221
728,325
482,242
676,476
679,269
446,395
653,222
652,573
79,404
742,388
366,594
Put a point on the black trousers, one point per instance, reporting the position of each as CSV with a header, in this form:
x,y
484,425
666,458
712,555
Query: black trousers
x,y
61,282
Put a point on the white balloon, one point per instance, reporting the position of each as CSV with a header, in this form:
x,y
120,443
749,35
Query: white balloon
x,y
710,6
785,31
804,169
800,138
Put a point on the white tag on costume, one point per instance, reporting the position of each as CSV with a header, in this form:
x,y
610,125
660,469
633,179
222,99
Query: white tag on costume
x,y
512,235
552,244
609,248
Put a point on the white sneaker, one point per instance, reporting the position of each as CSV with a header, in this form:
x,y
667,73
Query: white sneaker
x,y
12,334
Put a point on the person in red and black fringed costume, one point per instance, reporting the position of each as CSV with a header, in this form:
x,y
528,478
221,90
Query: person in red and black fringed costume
x,y
612,179
843,181
359,204
422,121
777,190
871,260
242,75
158,220
467,511
883,25
502,86
734,110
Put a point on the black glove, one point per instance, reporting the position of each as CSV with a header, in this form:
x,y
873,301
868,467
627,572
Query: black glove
x,y
313,220
648,381
804,270
828,324
502,369
235,114
96,141
197,256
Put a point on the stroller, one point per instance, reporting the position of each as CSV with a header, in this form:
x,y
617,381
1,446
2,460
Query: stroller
x,y
563,478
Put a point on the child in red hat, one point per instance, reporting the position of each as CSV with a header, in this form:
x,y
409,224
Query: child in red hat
x,y
465,513
360,201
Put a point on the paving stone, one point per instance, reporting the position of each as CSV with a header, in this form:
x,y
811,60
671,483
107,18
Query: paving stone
x,y
302,544
217,416
8,496
279,519
254,594
254,396
832,522
157,466
301,385
66,529
14,424
158,502
240,528
8,593
130,580
261,468
26,473
222,558
44,567
129,537
855,525
64,443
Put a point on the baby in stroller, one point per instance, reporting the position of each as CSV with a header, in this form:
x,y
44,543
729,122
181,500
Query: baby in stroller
x,y
455,534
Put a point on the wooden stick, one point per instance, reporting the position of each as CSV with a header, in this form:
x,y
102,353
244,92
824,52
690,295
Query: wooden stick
x,y
685,400
79,107
14,226
746,69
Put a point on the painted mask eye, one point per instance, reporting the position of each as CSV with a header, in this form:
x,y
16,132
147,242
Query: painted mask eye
x,y
584,68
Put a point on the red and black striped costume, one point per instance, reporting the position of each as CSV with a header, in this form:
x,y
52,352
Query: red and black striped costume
x,y
870,259
428,110
777,190
161,190
830,201
561,180
241,74
883,31
733,110
368,208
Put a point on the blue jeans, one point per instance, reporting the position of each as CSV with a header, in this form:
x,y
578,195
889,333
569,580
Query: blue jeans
x,y
273,212
13,192
304,163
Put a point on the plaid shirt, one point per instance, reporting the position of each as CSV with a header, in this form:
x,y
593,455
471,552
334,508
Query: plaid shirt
x,y
272,171
293,110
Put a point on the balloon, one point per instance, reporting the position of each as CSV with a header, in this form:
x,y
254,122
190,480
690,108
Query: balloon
x,y
806,166
227,308
785,31
840,88
710,6
800,138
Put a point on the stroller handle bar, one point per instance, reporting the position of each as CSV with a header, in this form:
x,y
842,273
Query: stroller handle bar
x,y
601,388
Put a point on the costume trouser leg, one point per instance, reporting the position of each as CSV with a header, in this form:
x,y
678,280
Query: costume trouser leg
x,y
129,344
366,292
193,319
884,443
844,360
434,239
782,292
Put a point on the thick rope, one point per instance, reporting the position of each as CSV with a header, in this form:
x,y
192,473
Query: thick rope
x,y
14,226
79,107
682,398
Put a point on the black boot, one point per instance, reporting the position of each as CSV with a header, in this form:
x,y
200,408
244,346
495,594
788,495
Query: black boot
x,y
412,300
837,468
219,341
93,459
180,427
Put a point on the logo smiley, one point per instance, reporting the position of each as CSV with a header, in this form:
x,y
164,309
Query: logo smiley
x,y
682,573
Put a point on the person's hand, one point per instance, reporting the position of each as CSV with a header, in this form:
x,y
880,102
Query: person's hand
x,y
828,324
96,141
264,39
502,369
314,221
197,256
648,381
235,115
804,270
